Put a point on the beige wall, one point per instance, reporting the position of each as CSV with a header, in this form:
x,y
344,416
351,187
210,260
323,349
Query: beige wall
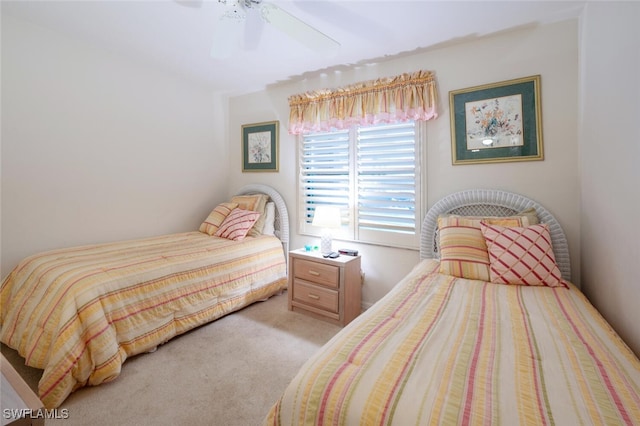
x,y
610,163
551,51
97,147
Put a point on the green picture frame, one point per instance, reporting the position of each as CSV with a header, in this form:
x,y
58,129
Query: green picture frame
x,y
498,122
260,147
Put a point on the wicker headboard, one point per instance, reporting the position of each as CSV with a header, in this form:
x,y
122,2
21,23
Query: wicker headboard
x,y
488,202
282,215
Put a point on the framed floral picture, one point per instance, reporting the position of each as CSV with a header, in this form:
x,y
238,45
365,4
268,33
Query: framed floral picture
x,y
260,147
497,122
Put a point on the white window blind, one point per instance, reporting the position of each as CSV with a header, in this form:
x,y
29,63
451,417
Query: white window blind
x,y
372,173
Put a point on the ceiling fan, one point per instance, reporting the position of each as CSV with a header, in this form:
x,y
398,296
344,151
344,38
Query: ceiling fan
x,y
249,17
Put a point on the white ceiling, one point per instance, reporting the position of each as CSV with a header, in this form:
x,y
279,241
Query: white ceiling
x,y
179,38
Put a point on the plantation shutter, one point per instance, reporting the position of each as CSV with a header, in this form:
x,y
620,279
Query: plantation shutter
x,y
324,172
372,173
386,181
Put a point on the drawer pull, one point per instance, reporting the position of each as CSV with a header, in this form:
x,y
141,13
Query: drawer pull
x,y
313,296
312,272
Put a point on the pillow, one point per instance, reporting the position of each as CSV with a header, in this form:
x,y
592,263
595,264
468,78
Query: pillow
x,y
529,215
463,251
257,203
249,202
521,255
237,224
216,217
269,219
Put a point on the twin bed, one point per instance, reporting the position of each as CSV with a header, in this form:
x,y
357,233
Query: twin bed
x,y
445,347
79,313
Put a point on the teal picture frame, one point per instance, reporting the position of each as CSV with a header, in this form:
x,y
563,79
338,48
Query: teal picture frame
x,y
260,147
498,122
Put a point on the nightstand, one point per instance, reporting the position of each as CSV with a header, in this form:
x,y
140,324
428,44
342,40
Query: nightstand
x,y
328,289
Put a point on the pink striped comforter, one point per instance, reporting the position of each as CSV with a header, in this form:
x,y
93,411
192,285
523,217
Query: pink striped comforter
x,y
442,350
78,313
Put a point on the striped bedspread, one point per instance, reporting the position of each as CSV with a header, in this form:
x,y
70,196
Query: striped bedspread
x,y
448,351
78,313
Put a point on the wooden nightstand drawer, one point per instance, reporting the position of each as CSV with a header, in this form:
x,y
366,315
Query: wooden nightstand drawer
x,y
316,296
318,273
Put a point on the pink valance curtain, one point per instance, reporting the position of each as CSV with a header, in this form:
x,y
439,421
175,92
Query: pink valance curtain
x,y
385,100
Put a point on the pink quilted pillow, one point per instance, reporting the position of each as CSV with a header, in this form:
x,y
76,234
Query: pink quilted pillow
x,y
237,224
521,255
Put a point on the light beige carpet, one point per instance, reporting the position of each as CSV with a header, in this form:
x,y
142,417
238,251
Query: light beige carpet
x,y
229,372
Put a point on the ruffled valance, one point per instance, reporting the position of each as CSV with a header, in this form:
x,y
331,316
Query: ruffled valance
x,y
385,100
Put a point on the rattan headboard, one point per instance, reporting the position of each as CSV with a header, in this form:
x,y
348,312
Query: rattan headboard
x,y
489,202
282,215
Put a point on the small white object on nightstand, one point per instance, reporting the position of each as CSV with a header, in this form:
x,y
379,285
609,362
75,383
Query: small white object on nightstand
x,y
327,218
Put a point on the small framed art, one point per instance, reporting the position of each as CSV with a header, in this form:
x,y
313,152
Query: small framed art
x,y
497,122
260,147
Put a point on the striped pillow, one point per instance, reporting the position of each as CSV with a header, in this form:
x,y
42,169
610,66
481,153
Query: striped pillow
x,y
463,251
521,255
528,215
237,224
216,217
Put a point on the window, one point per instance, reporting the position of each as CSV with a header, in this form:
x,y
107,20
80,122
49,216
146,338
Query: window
x,y
373,174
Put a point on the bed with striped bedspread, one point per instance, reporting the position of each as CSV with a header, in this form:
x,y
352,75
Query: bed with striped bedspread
x,y
78,313
444,350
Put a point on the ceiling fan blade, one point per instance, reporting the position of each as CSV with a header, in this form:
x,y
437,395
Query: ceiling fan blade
x,y
196,4
227,37
298,29
345,18
253,27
